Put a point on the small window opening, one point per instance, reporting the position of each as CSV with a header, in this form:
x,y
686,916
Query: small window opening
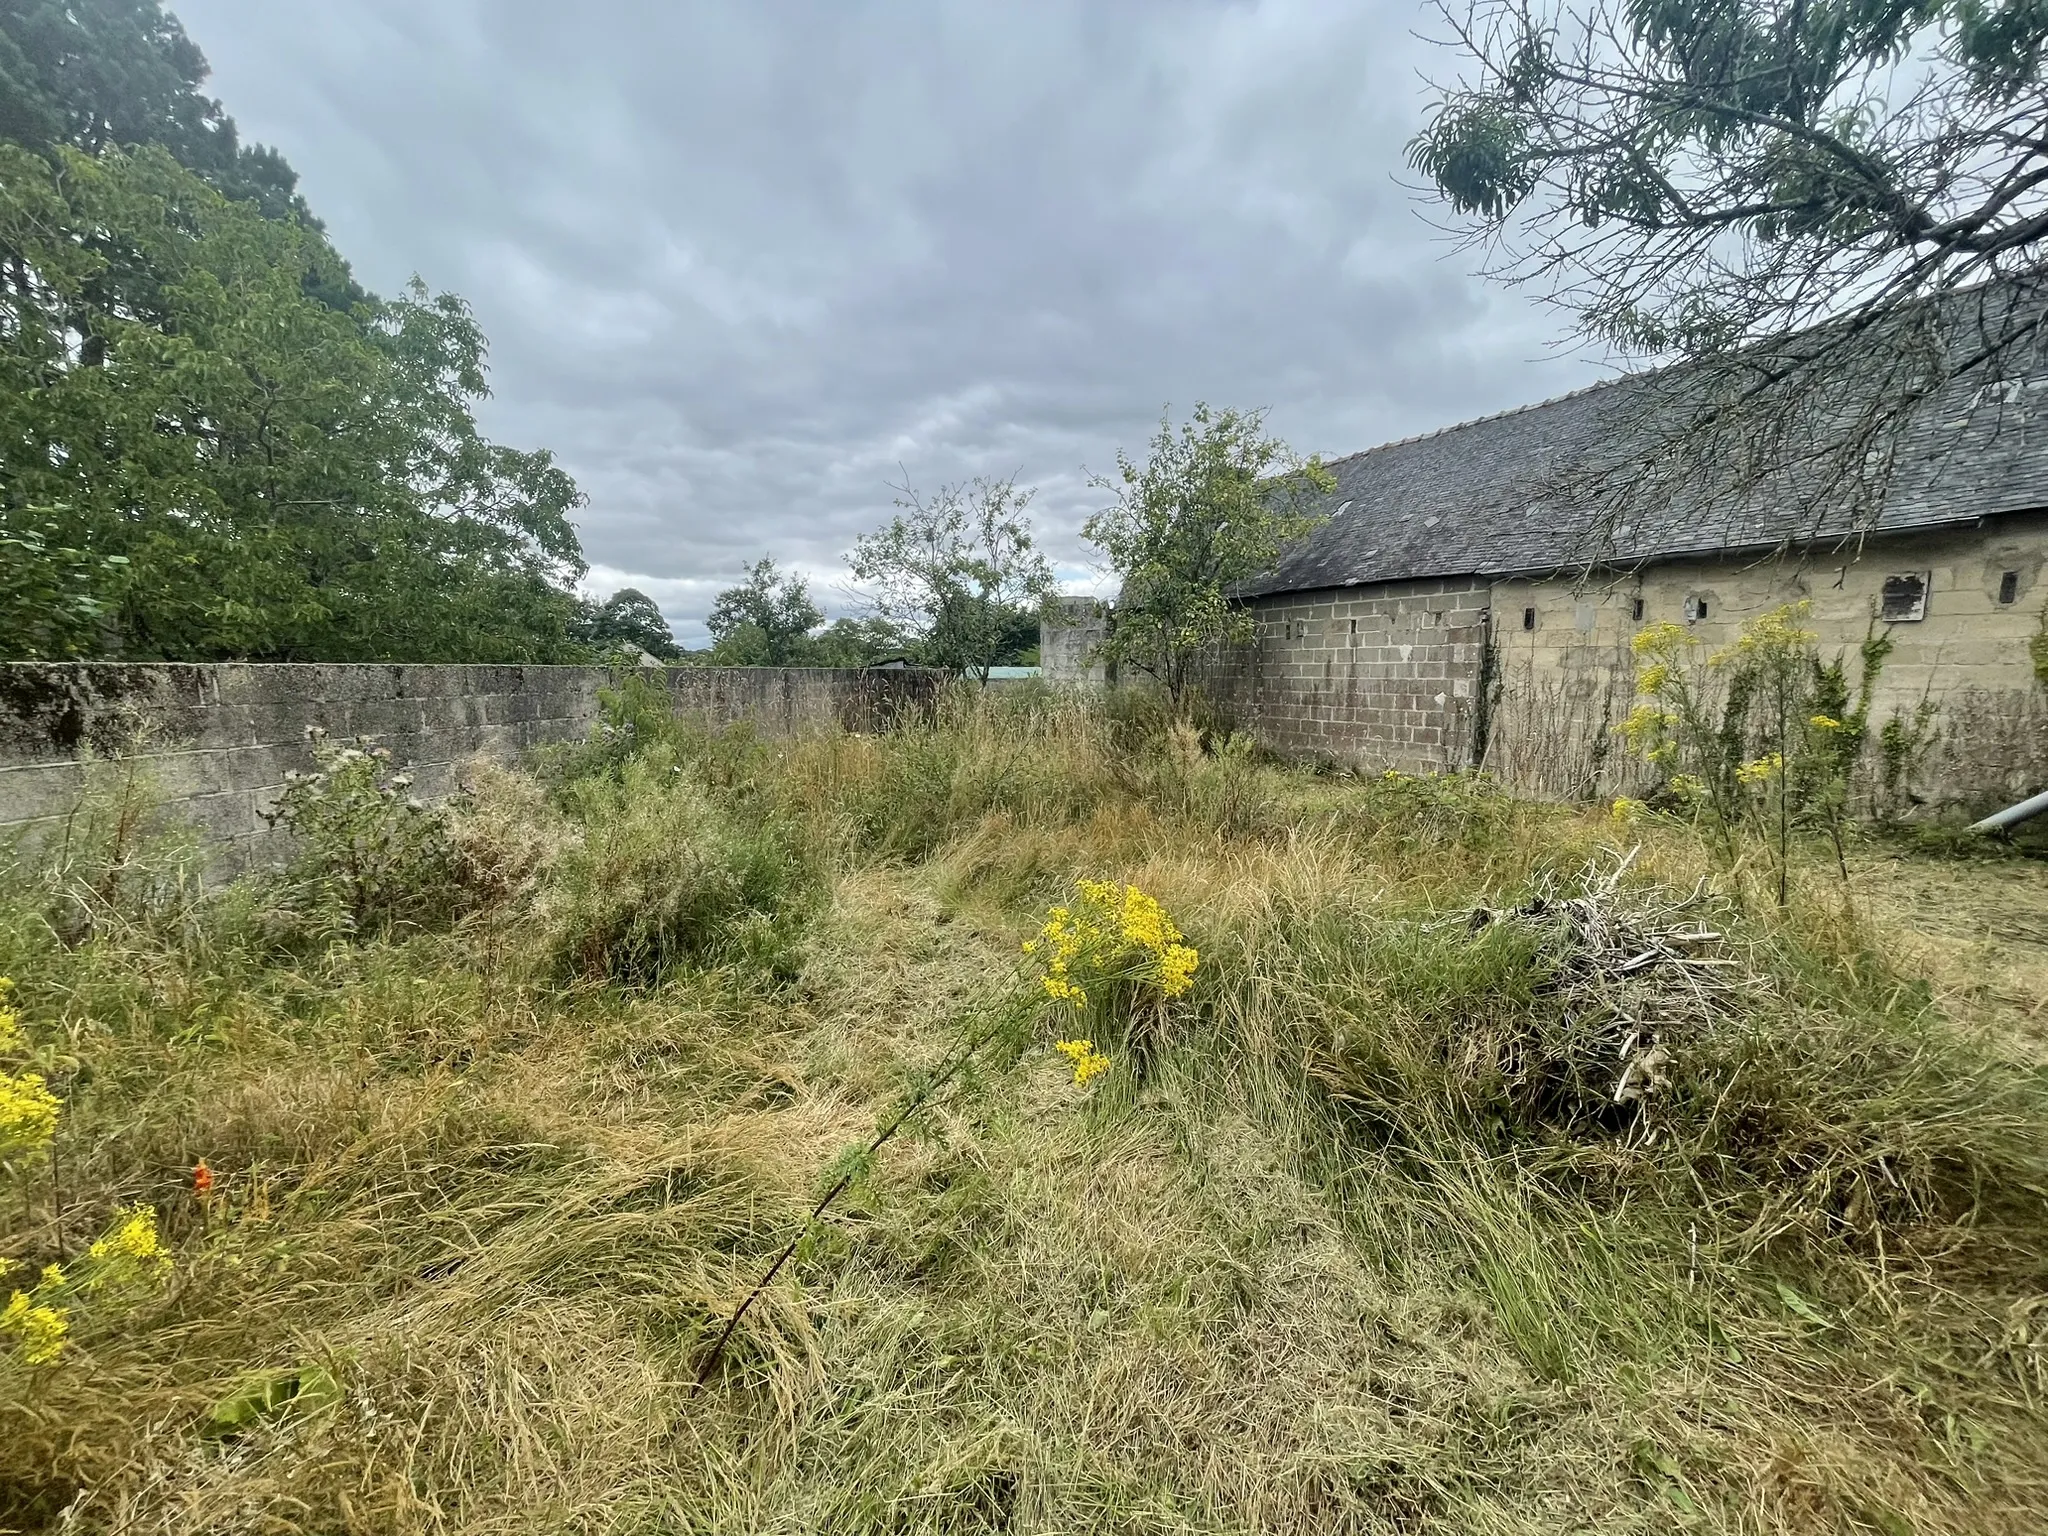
x,y
2009,587
1635,609
1528,618
1354,629
1905,598
1695,609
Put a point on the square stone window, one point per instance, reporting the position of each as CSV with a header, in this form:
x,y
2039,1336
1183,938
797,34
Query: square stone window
x,y
1905,598
1695,609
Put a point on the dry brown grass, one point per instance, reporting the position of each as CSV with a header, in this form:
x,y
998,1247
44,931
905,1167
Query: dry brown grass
x,y
1315,1272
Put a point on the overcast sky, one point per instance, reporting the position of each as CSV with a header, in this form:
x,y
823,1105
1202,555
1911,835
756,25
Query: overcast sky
x,y
743,263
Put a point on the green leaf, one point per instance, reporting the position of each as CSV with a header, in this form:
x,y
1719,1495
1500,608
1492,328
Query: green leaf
x,y
1799,1306
272,1397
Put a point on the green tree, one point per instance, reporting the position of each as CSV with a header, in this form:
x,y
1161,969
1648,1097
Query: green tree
x,y
254,472
628,617
765,621
957,571
1830,209
1209,509
102,74
857,642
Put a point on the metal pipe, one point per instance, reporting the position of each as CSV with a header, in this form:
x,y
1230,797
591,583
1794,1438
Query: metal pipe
x,y
2013,815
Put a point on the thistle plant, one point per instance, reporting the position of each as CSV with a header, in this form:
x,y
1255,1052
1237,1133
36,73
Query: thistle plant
x,y
373,849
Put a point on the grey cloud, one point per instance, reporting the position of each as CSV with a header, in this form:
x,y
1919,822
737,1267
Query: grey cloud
x,y
743,264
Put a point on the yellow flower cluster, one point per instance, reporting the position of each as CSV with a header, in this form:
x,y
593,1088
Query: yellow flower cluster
x,y
1063,939
1659,639
130,1256
1780,630
1116,932
1760,770
1086,1059
28,1110
131,1250
37,1328
1824,723
1626,810
1648,730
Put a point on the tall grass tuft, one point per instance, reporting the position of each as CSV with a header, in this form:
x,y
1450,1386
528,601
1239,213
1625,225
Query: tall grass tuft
x,y
662,876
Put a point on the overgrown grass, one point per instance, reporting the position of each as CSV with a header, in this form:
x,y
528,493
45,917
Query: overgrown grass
x,y
1366,1246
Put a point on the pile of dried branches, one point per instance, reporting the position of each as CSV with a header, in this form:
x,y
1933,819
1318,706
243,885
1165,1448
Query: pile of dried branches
x,y
1633,975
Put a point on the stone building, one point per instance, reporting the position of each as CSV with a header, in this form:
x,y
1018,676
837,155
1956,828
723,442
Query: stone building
x,y
1454,610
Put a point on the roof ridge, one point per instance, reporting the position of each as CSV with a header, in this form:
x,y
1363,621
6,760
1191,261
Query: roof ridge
x,y
1513,410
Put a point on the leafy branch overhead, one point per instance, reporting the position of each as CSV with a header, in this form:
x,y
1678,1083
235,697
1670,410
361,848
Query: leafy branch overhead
x,y
1209,509
1713,181
218,444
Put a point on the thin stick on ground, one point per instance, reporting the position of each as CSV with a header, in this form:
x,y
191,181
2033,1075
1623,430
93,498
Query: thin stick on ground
x,y
918,1100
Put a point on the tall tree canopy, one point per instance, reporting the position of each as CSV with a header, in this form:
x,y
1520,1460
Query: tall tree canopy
x,y
104,74
958,572
1829,209
765,621
1209,508
628,617
212,442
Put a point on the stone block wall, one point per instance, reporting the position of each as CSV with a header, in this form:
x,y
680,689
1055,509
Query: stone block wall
x,y
220,737
1566,675
1380,677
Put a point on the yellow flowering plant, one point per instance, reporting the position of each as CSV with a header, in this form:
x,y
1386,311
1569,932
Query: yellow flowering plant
x,y
1111,942
31,1321
28,1110
1111,936
1088,1062
128,1260
1757,738
35,1318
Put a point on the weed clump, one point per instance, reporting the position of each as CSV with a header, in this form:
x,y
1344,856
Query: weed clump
x,y
371,853
663,876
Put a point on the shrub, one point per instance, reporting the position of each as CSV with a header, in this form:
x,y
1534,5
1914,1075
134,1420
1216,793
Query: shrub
x,y
664,876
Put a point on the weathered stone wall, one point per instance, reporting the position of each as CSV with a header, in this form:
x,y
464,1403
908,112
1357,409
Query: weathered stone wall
x,y
219,738
1566,675
1381,677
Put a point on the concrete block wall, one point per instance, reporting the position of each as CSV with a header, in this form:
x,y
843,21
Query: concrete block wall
x,y
1568,678
1068,636
219,738
1380,677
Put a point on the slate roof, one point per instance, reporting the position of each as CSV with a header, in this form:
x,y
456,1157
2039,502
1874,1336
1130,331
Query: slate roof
x,y
1483,498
